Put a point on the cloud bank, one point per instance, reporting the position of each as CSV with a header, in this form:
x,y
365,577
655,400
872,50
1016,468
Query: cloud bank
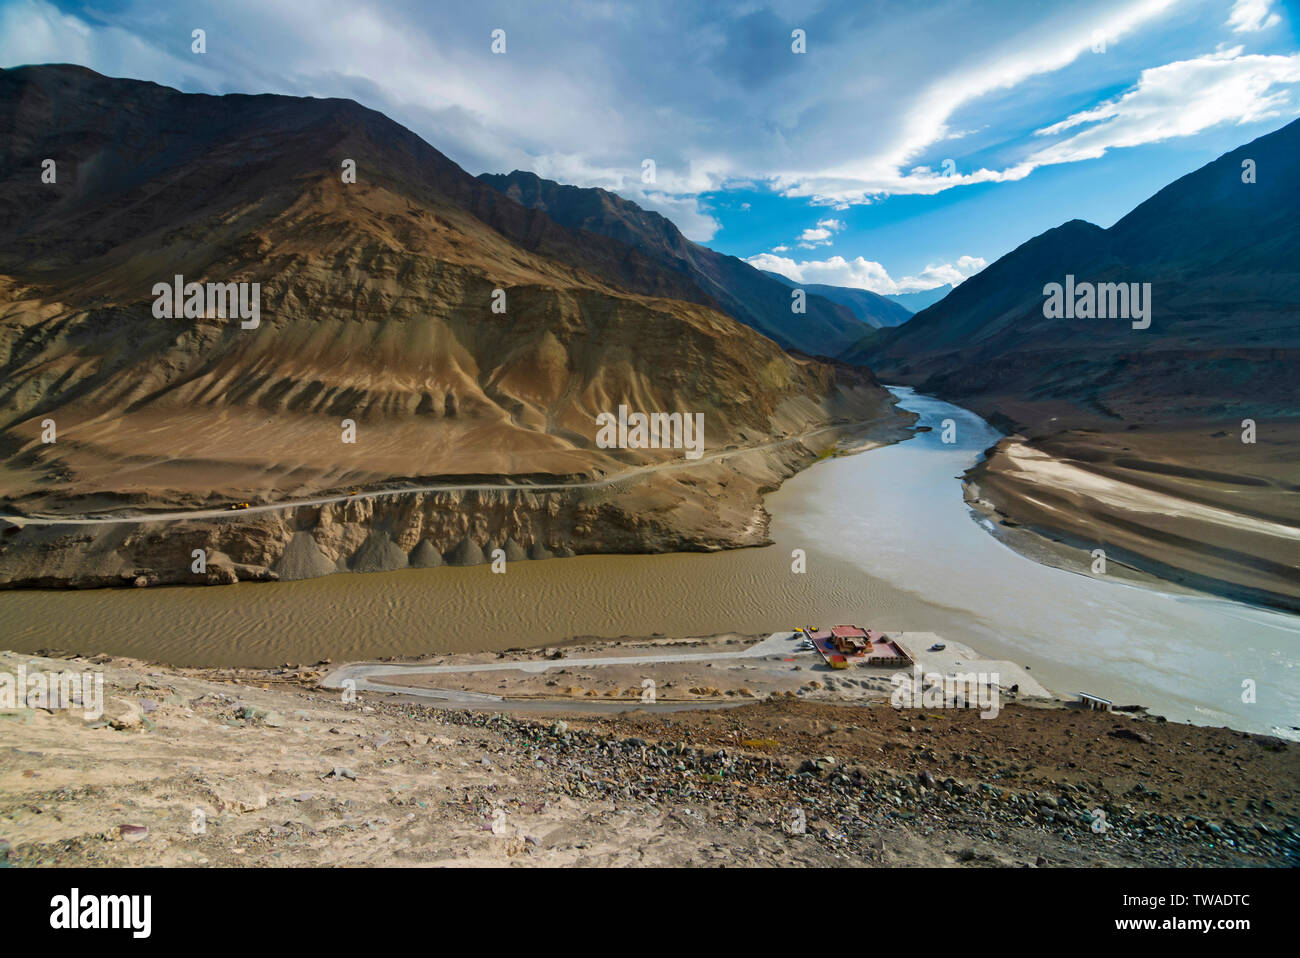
x,y
861,273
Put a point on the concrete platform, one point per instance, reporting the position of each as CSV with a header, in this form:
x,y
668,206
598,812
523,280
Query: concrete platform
x,y
959,658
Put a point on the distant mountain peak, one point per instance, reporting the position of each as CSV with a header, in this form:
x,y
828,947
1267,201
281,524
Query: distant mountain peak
x,y
875,310
749,295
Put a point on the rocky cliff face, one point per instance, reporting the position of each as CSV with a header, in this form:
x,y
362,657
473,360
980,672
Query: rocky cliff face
x,y
711,506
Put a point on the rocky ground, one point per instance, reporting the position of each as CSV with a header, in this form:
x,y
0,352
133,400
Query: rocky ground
x,y
205,767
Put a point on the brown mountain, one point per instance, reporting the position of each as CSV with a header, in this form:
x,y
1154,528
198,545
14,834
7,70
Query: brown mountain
x,y
376,306
749,295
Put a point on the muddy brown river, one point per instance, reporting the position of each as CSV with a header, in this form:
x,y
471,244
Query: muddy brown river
x,y
889,544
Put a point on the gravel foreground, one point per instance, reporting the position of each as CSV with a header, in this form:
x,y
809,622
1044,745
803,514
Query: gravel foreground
x,y
262,768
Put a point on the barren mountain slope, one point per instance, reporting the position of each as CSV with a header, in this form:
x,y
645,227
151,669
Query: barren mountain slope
x,y
375,300
376,307
759,300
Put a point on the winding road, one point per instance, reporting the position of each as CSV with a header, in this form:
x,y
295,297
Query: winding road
x,y
225,511
359,675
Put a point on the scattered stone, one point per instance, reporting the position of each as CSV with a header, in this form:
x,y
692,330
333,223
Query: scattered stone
x,y
121,714
1132,734
133,833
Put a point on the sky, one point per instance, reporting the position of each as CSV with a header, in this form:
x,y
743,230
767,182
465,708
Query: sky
x,y
893,145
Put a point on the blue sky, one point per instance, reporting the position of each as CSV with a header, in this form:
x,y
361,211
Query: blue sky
x,y
911,143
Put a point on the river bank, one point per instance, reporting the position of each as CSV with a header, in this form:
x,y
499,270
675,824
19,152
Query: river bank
x,y
678,505
1191,508
887,542
657,673
264,768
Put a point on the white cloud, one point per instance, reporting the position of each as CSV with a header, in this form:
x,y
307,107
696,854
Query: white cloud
x,y
812,238
1178,99
861,273
1251,16
926,119
820,235
686,212
33,31
858,119
841,131
1174,100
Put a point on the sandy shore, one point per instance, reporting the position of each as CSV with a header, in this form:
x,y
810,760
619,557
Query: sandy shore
x,y
1197,509
266,768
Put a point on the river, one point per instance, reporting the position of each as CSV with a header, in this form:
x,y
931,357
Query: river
x,y
889,544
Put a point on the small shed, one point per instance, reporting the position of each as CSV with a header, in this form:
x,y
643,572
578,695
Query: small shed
x,y
1094,702
849,639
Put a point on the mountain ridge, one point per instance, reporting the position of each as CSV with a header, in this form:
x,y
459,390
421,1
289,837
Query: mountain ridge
x,y
747,294
1208,243
377,309
875,310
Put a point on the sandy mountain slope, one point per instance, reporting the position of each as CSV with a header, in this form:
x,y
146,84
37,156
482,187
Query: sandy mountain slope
x,y
376,307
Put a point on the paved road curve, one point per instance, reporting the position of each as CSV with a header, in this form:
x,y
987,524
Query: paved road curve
x,y
190,514
360,673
